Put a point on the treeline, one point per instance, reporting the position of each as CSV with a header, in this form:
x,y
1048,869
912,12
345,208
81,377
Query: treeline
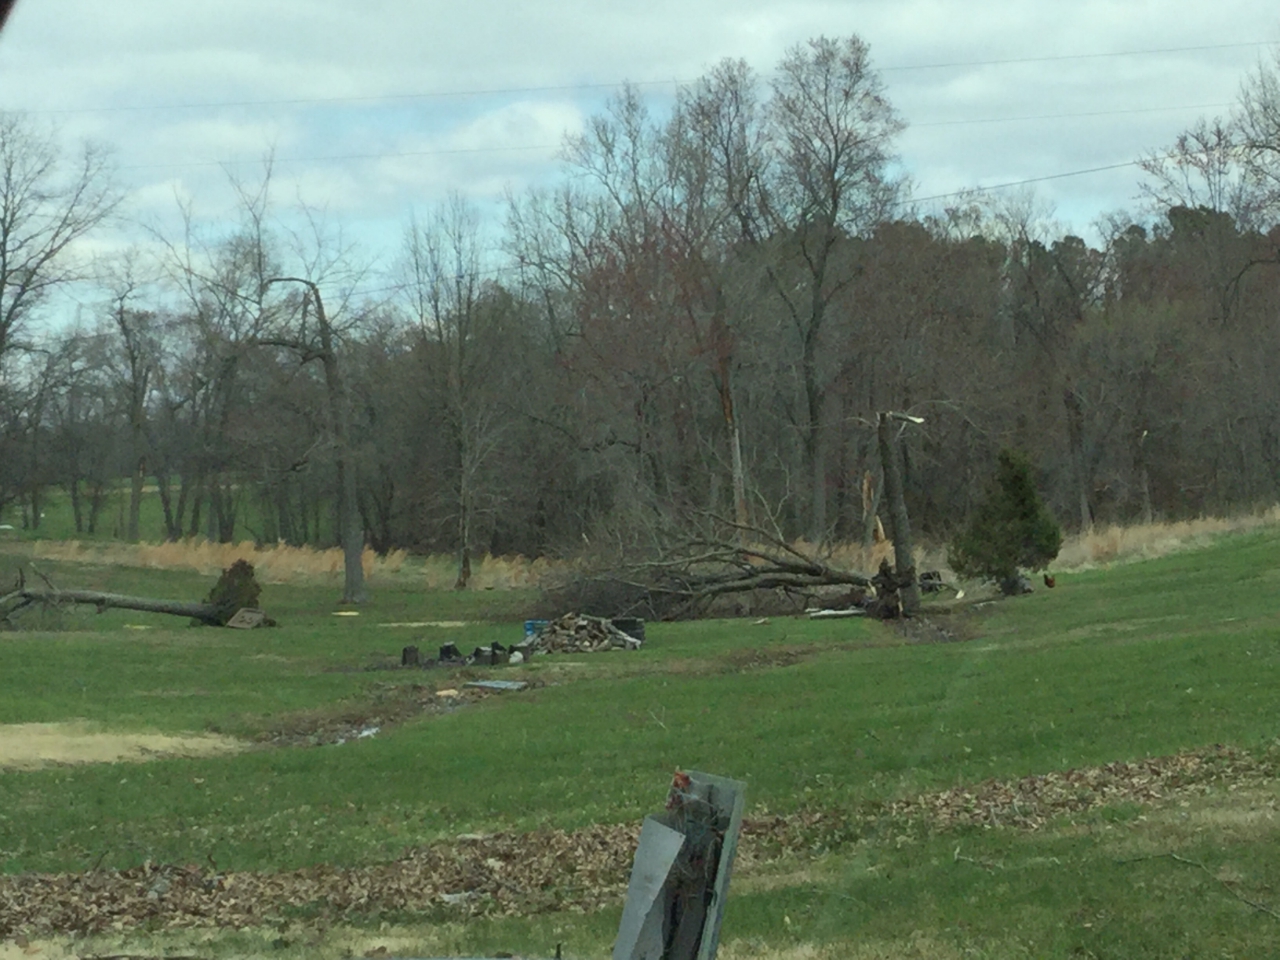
x,y
707,315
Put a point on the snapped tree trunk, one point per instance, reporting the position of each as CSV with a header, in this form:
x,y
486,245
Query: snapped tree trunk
x,y
353,588
1075,438
903,550
350,528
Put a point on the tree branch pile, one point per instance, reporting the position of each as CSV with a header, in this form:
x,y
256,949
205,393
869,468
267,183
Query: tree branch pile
x,y
692,575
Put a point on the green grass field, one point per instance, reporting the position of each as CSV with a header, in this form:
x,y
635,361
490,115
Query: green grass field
x,y
839,718
58,520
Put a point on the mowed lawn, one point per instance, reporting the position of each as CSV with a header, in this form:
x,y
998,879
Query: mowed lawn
x,y
1140,660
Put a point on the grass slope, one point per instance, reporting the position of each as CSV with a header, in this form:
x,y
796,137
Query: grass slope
x,y
1140,660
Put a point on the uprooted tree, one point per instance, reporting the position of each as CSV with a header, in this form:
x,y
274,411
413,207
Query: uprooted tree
x,y
236,589
700,560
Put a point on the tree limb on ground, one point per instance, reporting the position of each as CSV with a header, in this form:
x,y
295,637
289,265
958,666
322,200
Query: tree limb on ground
x,y
209,613
693,571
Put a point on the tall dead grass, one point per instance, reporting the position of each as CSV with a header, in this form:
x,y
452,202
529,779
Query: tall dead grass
x,y
282,563
279,563
1146,541
440,572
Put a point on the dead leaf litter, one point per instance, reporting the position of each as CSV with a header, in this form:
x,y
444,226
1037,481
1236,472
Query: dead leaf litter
x,y
582,870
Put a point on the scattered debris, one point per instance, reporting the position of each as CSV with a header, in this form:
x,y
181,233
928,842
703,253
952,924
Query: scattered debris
x,y
1015,586
499,685
384,706
247,618
578,633
675,898
835,614
346,613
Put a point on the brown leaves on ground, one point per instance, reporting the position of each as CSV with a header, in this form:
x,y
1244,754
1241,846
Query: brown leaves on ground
x,y
582,870
1032,801
505,873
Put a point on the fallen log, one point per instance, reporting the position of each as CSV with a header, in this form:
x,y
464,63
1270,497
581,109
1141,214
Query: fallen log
x,y
208,613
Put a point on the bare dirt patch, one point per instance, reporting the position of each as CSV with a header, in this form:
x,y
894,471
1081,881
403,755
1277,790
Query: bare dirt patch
x,y
26,746
384,707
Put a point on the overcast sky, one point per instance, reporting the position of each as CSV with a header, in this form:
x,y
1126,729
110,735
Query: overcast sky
x,y
378,107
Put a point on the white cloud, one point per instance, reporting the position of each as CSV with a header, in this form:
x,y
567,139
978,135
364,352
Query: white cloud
x,y
112,60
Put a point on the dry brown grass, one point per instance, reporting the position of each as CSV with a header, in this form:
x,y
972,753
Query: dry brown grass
x,y
440,572
275,564
1146,541
282,563
1112,543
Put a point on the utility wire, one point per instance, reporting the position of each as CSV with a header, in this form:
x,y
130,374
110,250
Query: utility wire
x,y
969,191
339,157
1071,116
584,87
448,151
1079,56
1018,183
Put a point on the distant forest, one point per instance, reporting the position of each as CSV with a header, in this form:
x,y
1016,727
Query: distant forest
x,y
706,315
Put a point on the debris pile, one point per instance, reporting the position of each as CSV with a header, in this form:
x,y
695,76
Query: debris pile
x,y
574,633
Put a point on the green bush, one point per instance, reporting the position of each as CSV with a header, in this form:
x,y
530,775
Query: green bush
x,y
1010,531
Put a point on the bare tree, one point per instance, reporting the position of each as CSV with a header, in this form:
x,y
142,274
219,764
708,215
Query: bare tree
x,y
46,205
1259,127
833,129
460,325
320,343
136,361
1207,166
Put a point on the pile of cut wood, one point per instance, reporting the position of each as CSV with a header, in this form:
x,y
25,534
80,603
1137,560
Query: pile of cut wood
x,y
575,633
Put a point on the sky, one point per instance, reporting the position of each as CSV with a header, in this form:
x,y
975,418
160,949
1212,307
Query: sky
x,y
374,110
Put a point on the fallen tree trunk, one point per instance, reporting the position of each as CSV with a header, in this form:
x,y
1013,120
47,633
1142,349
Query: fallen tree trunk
x,y
696,571
208,613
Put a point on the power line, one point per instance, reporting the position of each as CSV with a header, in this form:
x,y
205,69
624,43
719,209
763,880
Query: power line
x,y
613,85
1072,116
450,151
366,98
1079,56
339,157
969,191
1018,183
